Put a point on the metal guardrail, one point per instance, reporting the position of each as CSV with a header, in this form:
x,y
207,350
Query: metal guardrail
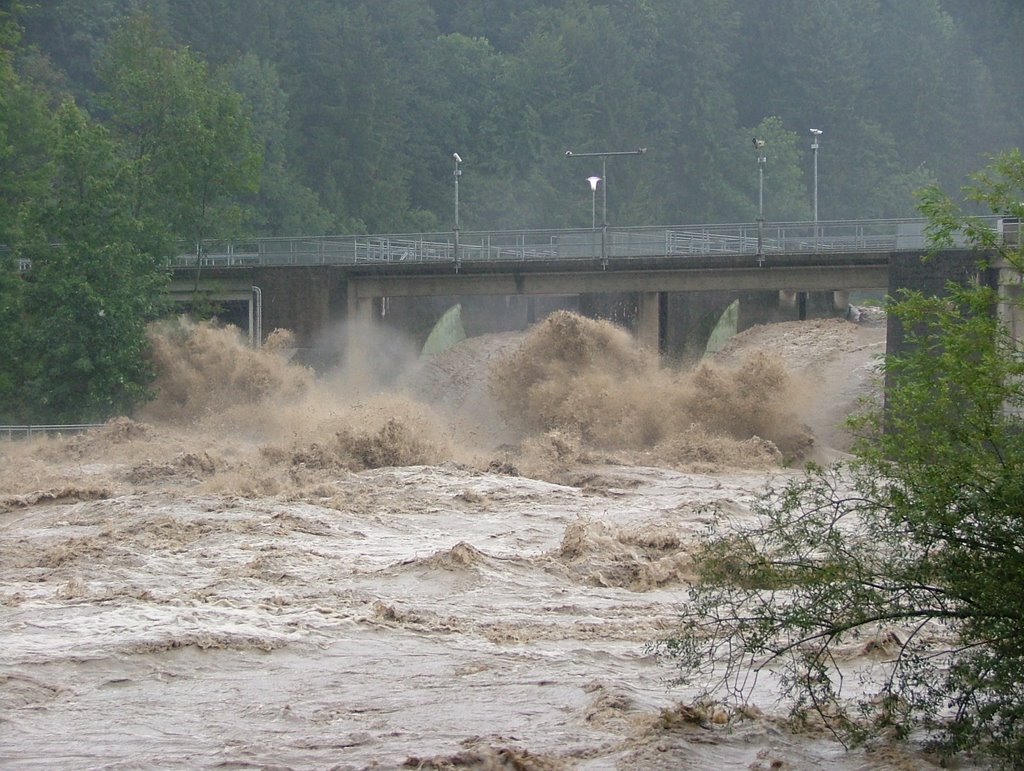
x,y
25,432
577,244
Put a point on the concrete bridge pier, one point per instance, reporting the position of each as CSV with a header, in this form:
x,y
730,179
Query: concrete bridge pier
x,y
360,309
649,321
841,301
361,316
1011,291
1011,295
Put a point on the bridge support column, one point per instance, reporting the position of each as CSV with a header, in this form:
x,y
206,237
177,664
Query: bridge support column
x,y
359,353
1011,293
364,310
648,322
359,308
841,300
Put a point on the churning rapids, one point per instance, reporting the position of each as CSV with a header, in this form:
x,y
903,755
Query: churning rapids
x,y
271,569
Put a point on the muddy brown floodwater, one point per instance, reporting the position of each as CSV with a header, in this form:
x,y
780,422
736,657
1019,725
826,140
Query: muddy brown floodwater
x,y
269,569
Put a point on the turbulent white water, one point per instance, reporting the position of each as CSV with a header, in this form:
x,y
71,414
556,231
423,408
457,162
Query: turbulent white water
x,y
183,598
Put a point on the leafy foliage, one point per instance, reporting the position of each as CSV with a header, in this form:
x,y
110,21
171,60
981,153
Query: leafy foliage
x,y
915,548
91,214
189,137
372,98
80,348
282,206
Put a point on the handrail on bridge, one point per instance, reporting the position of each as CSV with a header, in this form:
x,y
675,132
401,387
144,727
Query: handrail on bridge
x,y
883,235
567,244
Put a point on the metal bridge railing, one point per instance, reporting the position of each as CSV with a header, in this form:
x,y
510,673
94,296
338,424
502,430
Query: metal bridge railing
x,y
574,244
25,432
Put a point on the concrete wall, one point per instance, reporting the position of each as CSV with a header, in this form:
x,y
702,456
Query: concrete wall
x,y
930,276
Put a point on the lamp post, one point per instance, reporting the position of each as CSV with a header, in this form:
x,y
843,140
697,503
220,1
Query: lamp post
x,y
815,133
604,191
761,159
458,173
593,201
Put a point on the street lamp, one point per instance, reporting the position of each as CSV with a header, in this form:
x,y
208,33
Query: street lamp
x,y
593,201
458,173
604,191
761,159
815,133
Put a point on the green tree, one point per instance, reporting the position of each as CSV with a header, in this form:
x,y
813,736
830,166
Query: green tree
x,y
694,49
80,343
454,99
24,133
25,138
917,545
379,94
350,68
73,33
282,206
188,136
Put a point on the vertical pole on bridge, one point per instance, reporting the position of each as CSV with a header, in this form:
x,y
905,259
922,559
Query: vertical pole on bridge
x,y
604,213
815,133
761,158
458,173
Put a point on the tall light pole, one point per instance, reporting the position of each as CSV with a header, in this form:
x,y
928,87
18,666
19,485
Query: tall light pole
x,y
604,190
761,159
593,201
458,173
815,133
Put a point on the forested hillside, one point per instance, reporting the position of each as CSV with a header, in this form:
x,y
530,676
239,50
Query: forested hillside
x,y
356,106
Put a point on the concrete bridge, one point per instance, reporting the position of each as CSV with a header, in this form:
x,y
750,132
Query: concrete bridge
x,y
306,284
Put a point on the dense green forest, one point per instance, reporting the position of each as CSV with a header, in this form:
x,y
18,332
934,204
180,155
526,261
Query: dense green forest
x,y
356,106
130,129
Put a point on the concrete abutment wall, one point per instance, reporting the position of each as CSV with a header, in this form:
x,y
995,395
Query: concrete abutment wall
x,y
930,277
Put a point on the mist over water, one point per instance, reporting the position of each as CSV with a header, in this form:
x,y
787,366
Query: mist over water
x,y
454,562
